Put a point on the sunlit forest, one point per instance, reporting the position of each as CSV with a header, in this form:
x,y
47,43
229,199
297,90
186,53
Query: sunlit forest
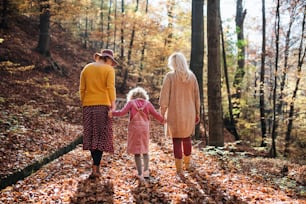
x,y
249,60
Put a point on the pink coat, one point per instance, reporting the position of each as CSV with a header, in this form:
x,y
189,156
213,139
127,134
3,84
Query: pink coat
x,y
138,128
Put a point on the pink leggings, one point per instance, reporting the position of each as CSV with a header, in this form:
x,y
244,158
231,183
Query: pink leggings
x,y
178,143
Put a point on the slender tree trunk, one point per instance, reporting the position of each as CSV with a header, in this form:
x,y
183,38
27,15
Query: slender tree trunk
x,y
215,114
238,78
301,58
197,50
122,32
43,46
4,14
274,120
285,68
262,79
142,58
132,36
231,125
126,71
115,26
102,22
108,23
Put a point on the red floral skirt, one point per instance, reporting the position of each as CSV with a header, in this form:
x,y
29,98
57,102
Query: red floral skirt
x,y
97,129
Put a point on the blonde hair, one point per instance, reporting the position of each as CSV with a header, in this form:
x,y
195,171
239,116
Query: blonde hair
x,y
178,63
137,92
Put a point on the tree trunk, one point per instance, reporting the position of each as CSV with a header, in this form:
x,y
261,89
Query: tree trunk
x,y
238,78
262,79
102,23
274,120
108,23
231,124
301,57
216,137
122,32
115,26
142,58
4,15
126,71
132,36
43,46
197,50
279,109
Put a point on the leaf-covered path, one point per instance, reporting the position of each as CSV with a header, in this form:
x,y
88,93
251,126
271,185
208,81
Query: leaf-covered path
x,y
65,180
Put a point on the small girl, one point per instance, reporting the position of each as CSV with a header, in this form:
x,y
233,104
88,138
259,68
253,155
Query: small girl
x,y
139,108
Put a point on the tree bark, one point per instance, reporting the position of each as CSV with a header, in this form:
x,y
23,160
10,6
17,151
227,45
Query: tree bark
x,y
215,114
4,15
301,57
108,23
122,32
197,51
231,124
262,79
144,47
43,46
238,78
274,120
102,23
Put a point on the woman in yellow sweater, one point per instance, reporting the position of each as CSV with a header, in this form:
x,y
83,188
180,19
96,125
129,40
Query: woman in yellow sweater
x,y
98,95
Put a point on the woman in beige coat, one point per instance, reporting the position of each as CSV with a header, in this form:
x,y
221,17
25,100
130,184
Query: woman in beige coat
x,y
180,105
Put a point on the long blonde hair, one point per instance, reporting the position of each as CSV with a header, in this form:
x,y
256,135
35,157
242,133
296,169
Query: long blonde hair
x,y
137,92
178,63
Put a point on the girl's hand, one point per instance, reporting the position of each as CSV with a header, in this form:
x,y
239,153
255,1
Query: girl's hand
x,y
110,113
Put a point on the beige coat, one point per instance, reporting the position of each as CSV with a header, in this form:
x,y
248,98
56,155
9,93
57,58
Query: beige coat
x,y
180,103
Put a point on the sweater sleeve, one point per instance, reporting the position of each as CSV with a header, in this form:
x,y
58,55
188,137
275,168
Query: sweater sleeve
x,y
111,85
82,87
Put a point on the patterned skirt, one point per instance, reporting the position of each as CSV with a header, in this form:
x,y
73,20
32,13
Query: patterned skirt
x,y
97,129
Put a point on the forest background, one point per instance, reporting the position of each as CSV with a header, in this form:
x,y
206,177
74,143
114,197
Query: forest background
x,y
143,34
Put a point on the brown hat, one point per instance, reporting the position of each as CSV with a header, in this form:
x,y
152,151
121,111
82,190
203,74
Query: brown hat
x,y
106,53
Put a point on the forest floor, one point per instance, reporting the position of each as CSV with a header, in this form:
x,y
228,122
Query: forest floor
x,y
40,113
217,176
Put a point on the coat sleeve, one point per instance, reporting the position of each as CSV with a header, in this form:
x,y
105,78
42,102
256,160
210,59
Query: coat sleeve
x,y
154,113
125,110
164,95
197,96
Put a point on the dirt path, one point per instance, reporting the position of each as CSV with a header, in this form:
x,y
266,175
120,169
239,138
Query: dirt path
x,y
65,180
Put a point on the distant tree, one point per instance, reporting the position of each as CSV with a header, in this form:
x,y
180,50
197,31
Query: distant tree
x,y
274,120
301,57
102,22
262,78
108,23
115,25
197,50
122,31
239,74
230,123
129,57
215,120
144,46
43,46
130,49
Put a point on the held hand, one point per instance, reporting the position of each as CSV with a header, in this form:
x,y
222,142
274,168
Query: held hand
x,y
113,106
197,119
110,113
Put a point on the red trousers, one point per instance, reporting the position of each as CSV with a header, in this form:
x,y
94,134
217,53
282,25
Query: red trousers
x,y
180,146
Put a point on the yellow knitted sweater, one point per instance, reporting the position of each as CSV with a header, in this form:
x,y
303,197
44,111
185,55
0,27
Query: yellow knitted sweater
x,y
97,84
